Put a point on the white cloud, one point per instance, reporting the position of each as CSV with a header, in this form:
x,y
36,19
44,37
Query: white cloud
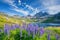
x,y
29,7
53,9
51,6
9,1
19,2
34,10
21,11
17,9
47,3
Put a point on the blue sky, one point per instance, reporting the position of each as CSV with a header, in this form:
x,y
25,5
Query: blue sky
x,y
29,7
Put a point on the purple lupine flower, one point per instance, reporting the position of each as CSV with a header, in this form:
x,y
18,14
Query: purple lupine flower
x,y
36,28
48,37
29,26
57,37
28,30
17,26
31,29
12,27
24,26
41,31
7,29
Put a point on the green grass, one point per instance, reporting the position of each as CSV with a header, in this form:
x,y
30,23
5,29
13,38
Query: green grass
x,y
15,34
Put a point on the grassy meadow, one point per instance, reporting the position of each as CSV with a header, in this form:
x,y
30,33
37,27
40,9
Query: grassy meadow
x,y
13,29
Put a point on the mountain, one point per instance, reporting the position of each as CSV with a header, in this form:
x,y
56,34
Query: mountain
x,y
16,16
41,14
6,19
3,14
15,19
57,16
54,19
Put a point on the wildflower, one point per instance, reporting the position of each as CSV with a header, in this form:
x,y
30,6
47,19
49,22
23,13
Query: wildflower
x,y
48,36
7,29
57,37
41,31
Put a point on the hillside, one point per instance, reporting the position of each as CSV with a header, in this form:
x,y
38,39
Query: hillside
x,y
4,18
9,20
54,19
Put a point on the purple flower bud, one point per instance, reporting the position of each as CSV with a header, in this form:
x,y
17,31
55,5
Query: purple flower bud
x,y
48,36
17,26
24,26
7,29
36,29
57,37
12,27
41,31
31,27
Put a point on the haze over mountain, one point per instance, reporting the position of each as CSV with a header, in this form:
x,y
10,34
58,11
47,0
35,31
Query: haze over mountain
x,y
41,14
54,19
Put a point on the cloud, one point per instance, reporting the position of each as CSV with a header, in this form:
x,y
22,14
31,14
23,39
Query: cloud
x,y
29,7
47,3
54,9
21,11
17,9
34,10
19,2
52,6
9,1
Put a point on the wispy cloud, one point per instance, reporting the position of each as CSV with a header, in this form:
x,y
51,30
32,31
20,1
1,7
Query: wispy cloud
x,y
29,7
51,6
54,9
34,10
21,11
17,9
48,3
11,3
